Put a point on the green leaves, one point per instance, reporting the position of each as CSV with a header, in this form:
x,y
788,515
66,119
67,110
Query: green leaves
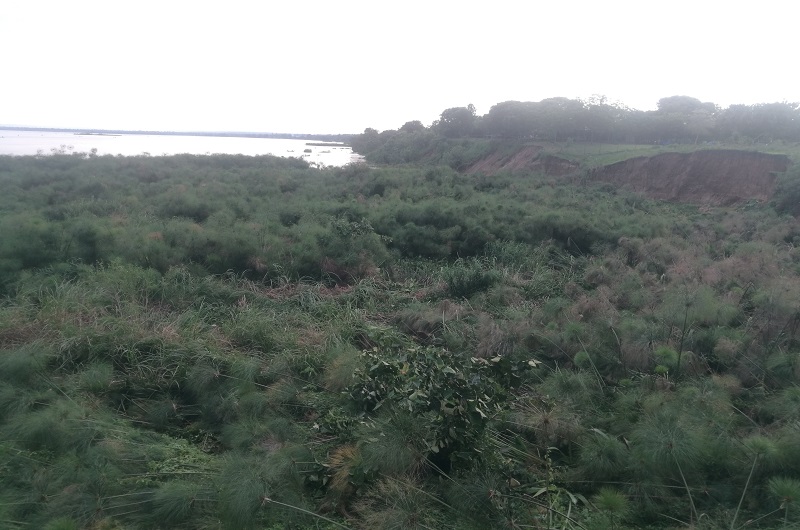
x,y
467,277
456,395
787,491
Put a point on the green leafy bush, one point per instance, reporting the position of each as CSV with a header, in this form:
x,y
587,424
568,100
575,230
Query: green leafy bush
x,y
467,277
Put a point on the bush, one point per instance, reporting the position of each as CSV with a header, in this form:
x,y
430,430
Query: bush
x,y
787,192
467,277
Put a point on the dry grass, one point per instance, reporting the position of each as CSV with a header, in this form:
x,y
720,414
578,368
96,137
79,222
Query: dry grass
x,y
492,338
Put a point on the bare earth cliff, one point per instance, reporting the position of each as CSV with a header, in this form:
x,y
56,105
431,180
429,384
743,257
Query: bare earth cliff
x,y
529,158
715,177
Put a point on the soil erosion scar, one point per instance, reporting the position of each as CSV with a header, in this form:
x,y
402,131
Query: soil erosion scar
x,y
714,177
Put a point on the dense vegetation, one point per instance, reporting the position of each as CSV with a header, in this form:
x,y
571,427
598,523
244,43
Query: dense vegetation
x,y
678,120
244,342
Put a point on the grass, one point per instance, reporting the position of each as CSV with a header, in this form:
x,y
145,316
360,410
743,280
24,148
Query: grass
x,y
517,384
597,154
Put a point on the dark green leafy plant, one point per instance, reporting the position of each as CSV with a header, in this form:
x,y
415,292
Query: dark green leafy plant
x,y
466,277
456,396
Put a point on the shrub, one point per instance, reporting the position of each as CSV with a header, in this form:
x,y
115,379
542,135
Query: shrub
x,y
467,277
666,356
787,192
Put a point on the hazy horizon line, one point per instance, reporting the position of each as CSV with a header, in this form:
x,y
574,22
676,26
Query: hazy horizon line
x,y
164,131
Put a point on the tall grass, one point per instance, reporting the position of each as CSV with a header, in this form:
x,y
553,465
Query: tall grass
x,y
516,352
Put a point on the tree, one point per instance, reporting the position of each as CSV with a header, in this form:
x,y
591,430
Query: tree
x,y
511,119
684,105
599,119
366,142
561,118
457,122
762,122
412,127
684,118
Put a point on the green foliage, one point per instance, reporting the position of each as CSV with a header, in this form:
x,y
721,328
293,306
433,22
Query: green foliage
x,y
174,502
466,278
666,356
395,505
678,120
457,396
602,457
245,343
344,360
612,502
62,523
787,193
25,363
787,491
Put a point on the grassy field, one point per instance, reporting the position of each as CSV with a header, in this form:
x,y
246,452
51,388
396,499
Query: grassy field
x,y
596,155
242,342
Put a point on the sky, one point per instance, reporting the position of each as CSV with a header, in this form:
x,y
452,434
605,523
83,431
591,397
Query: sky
x,y
340,66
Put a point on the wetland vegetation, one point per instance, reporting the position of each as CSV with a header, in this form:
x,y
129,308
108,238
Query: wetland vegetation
x,y
232,342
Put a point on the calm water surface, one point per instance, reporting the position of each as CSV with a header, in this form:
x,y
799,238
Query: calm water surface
x,y
45,142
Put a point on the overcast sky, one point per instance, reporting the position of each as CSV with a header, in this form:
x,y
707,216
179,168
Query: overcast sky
x,y
343,65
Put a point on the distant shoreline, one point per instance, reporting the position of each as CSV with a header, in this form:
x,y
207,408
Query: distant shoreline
x,y
338,138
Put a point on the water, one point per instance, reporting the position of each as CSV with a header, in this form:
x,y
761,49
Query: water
x,y
14,142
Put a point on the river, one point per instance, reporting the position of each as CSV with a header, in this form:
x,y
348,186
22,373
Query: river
x,y
21,143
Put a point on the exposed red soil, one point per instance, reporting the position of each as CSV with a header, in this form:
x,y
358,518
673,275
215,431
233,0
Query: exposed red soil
x,y
714,177
527,159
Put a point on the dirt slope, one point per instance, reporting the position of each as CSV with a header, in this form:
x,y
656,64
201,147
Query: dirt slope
x,y
529,158
715,177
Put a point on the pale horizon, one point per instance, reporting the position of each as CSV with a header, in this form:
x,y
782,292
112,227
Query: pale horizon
x,y
341,67
15,127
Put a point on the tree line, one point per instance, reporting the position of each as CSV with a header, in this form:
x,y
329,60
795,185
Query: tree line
x,y
678,119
